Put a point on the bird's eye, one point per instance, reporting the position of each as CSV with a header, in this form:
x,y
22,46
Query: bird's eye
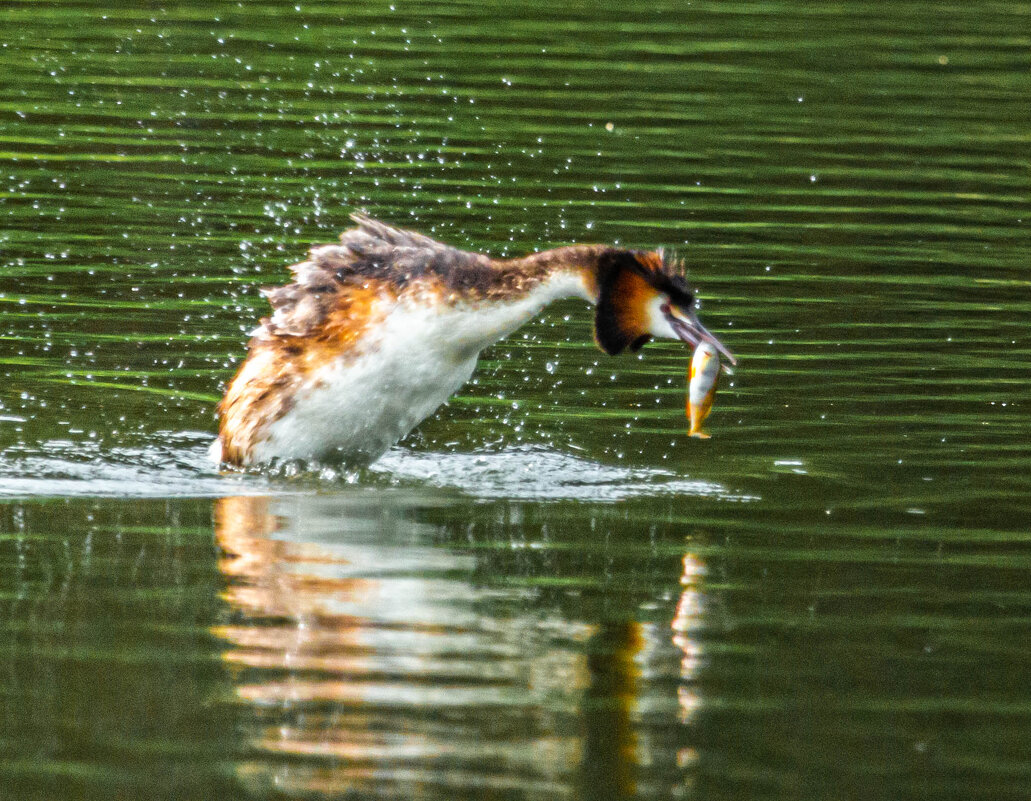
x,y
678,292
683,300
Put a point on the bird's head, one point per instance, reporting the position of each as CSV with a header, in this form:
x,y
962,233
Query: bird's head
x,y
641,295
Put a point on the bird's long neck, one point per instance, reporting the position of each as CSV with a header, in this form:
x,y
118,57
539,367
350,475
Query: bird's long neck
x,y
531,283
573,268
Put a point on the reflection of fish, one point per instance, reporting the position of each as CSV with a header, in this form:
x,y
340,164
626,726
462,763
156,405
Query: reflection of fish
x,y
705,370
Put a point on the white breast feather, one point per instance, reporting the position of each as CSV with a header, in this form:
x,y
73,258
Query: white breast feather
x,y
411,363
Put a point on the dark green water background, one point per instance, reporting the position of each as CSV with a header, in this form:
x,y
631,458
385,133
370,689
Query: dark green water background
x,y
547,591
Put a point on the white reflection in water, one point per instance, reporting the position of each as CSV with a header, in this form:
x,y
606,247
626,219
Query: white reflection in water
x,y
358,651
371,663
686,623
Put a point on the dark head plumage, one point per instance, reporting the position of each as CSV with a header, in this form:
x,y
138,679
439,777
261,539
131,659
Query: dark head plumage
x,y
629,282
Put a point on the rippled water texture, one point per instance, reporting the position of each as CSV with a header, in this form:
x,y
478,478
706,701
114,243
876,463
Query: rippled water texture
x,y
548,590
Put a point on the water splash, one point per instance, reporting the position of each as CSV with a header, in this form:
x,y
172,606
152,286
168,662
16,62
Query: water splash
x,y
533,472
180,467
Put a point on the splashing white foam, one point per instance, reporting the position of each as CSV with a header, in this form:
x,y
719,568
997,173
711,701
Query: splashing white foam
x,y
536,472
180,467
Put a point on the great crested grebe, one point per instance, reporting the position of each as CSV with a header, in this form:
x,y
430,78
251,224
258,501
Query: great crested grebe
x,y
377,332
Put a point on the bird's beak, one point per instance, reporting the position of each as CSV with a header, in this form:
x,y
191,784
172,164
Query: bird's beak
x,y
687,326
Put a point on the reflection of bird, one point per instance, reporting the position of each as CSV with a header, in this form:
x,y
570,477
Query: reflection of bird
x,y
376,332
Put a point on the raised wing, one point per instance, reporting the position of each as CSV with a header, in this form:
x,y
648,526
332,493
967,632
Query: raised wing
x,y
373,256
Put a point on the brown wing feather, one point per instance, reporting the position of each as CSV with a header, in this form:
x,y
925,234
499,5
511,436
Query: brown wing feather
x,y
336,295
374,253
280,363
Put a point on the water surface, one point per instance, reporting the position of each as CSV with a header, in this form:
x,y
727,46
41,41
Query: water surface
x,y
547,590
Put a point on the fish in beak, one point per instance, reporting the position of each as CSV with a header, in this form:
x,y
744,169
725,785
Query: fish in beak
x,y
685,324
703,375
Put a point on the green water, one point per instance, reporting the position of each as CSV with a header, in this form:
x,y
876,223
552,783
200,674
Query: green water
x,y
548,590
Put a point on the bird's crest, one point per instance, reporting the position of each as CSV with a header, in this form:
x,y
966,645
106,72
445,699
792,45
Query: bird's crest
x,y
629,282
